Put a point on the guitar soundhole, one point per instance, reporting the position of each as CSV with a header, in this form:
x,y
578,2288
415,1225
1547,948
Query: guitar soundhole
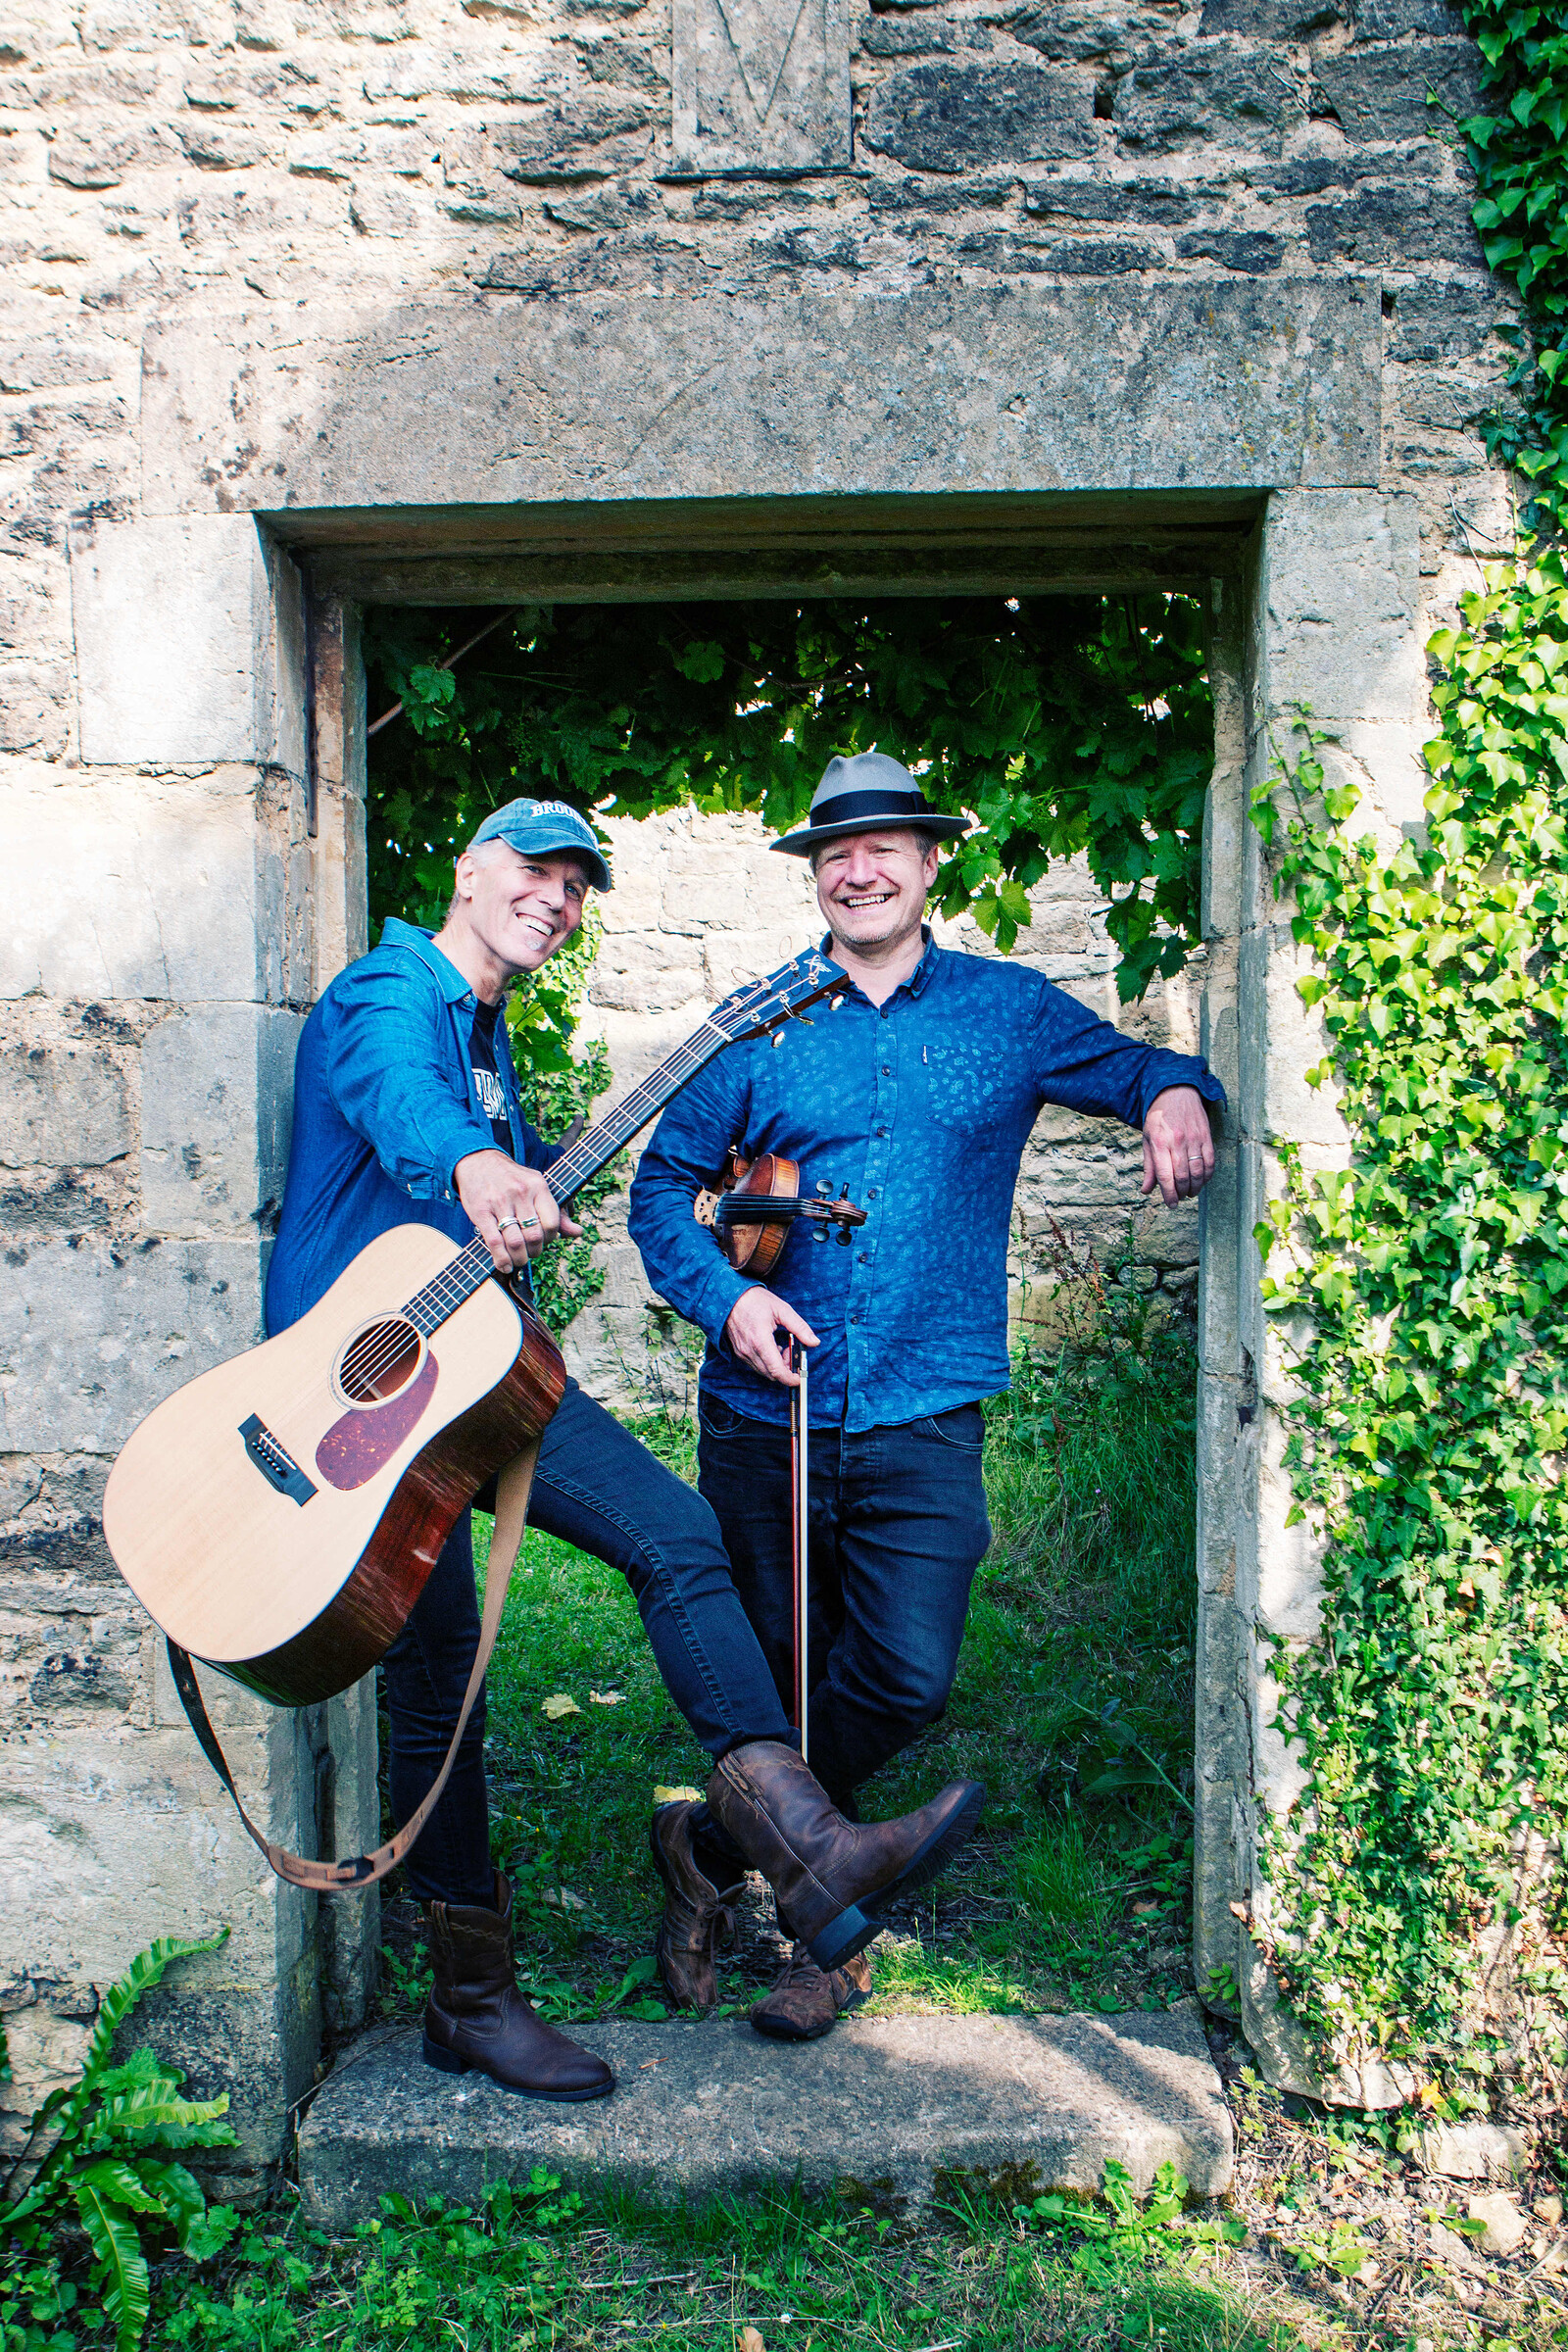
x,y
379,1363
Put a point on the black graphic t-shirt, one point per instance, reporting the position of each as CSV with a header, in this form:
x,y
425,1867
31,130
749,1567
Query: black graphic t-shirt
x,y
487,1077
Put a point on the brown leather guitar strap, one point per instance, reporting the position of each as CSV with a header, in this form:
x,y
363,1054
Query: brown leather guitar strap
x,y
363,1870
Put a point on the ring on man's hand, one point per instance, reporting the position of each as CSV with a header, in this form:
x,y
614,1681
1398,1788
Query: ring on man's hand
x,y
504,1222
528,1221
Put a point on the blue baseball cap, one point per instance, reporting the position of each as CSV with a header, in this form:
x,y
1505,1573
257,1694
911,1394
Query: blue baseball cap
x,y
534,828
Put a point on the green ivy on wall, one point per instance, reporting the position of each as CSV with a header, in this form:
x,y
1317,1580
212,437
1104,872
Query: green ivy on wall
x,y
1426,1287
1069,723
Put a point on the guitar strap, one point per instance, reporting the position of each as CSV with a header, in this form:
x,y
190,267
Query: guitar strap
x,y
363,1870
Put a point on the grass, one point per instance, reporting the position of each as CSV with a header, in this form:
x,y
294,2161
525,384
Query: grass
x,y
536,2266
1073,1703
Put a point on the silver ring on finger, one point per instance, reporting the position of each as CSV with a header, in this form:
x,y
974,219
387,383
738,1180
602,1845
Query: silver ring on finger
x,y
504,1222
525,1224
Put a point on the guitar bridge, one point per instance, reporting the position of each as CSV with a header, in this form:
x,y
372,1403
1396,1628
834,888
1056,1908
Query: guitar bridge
x,y
274,1461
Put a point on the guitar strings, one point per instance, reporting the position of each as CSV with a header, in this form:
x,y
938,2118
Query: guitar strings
x,y
467,1272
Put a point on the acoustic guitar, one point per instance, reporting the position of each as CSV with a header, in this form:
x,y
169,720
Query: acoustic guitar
x,y
277,1517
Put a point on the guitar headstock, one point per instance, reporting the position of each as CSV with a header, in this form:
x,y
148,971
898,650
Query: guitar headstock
x,y
766,1005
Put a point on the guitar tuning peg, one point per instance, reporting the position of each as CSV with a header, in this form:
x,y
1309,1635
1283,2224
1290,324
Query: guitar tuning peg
x,y
844,1237
824,1188
778,1039
819,1232
834,1003
844,1192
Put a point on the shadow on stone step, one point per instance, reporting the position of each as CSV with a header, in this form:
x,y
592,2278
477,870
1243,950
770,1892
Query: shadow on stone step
x,y
892,2104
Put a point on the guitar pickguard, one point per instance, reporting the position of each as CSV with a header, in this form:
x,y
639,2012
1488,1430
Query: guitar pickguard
x,y
354,1446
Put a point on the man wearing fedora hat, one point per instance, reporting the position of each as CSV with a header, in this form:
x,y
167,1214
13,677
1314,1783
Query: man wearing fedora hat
x,y
918,1093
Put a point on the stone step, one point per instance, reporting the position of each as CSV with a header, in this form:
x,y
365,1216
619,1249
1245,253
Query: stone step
x,y
893,2105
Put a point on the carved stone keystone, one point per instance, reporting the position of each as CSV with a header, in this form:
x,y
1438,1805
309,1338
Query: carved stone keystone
x,y
760,87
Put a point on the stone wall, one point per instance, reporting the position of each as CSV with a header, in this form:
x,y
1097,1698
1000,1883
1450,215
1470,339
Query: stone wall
x,y
702,904
470,299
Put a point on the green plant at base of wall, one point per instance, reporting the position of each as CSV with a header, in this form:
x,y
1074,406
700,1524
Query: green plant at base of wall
x,y
1422,1291
99,2157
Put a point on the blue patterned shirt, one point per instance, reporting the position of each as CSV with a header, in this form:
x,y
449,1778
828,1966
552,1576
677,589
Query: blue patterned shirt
x,y
922,1108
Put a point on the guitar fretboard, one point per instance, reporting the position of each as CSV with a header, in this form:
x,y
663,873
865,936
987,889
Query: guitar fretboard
x,y
472,1266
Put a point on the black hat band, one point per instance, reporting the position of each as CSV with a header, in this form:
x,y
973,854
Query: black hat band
x,y
846,807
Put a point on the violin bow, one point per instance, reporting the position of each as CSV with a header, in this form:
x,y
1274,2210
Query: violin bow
x,y
801,1514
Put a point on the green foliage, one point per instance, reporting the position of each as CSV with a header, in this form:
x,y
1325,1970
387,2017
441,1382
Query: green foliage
x,y
533,2265
558,1085
1427,1438
1126,2224
97,2158
1066,724
1421,1289
1520,154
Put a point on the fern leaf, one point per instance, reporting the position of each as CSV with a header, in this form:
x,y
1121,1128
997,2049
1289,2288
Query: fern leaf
x,y
117,2183
179,2195
63,2113
156,2107
112,2234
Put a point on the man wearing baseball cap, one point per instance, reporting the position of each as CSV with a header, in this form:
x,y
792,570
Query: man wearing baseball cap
x,y
918,1094
406,1110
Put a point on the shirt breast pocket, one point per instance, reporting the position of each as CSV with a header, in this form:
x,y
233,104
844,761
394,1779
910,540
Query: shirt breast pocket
x,y
967,1081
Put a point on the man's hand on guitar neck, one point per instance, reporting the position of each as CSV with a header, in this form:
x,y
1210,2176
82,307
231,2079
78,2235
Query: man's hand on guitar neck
x,y
512,1207
751,1333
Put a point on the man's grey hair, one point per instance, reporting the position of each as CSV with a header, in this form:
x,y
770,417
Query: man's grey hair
x,y
479,850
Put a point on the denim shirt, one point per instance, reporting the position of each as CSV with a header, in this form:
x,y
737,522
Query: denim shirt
x,y
384,1107
922,1108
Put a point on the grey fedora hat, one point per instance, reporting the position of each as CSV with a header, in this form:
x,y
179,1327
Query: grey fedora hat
x,y
861,795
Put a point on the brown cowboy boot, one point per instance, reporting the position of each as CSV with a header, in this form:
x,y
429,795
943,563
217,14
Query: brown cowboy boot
x,y
697,1915
808,2001
834,1878
475,2015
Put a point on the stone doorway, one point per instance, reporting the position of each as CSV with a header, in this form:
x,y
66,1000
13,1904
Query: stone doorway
x,y
636,448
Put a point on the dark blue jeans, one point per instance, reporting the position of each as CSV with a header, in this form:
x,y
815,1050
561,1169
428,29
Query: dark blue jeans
x,y
898,1529
599,1488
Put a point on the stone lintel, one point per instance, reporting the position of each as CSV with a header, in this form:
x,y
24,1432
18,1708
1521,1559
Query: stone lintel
x,y
1088,386
893,2105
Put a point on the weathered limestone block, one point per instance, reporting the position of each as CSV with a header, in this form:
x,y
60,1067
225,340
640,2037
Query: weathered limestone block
x,y
165,897
1281,1040
216,1086
95,1334
1382,93
747,399
956,117
189,641
1219,90
63,1105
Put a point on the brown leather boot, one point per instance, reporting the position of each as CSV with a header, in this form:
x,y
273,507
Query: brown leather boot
x,y
834,1878
808,2001
475,2015
696,1916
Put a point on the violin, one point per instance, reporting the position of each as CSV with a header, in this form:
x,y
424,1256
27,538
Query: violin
x,y
761,1200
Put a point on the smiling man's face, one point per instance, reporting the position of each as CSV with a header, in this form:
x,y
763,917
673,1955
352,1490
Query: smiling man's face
x,y
871,888
522,909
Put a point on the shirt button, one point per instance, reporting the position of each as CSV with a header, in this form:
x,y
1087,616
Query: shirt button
x,y
881,1131
871,1194
865,1257
855,1318
887,1069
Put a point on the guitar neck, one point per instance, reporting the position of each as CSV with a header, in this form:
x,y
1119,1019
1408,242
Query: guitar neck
x,y
594,1150
597,1146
